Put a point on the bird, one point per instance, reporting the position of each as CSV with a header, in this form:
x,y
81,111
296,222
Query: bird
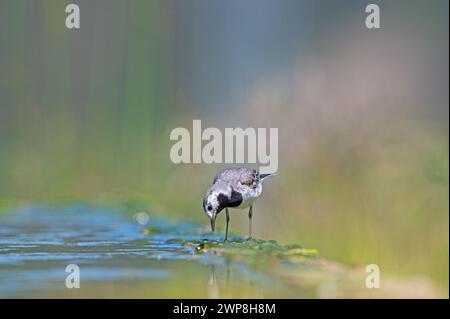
x,y
235,187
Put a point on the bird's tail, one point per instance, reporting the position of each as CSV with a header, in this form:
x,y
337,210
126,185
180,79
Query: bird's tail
x,y
263,176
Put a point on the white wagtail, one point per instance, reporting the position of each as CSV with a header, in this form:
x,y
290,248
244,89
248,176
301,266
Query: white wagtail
x,y
236,187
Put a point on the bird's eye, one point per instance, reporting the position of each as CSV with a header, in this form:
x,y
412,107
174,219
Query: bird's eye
x,y
209,207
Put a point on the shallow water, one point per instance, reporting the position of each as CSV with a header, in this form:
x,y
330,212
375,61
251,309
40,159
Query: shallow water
x,y
117,259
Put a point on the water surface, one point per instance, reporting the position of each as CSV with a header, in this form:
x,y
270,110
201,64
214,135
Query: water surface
x,y
118,259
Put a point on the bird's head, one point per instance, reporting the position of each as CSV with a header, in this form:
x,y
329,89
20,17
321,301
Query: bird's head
x,y
212,207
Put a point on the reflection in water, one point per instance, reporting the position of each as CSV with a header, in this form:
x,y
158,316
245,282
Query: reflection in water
x,y
116,258
230,279
213,287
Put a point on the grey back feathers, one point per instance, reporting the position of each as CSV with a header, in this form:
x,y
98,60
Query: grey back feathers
x,y
237,174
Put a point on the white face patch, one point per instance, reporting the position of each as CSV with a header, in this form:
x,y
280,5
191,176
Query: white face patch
x,y
211,202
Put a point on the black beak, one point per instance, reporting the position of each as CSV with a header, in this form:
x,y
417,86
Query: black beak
x,y
213,223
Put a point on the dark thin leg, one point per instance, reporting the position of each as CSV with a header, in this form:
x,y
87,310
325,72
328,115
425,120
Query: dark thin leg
x,y
250,213
228,220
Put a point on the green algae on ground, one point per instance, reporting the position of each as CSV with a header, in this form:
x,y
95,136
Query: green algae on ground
x,y
150,230
249,247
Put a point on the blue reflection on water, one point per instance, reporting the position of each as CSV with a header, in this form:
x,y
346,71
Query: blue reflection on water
x,y
37,242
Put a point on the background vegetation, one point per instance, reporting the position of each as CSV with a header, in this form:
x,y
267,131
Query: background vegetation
x,y
85,115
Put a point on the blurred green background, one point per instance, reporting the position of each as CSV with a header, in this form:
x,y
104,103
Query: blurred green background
x,y
85,115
